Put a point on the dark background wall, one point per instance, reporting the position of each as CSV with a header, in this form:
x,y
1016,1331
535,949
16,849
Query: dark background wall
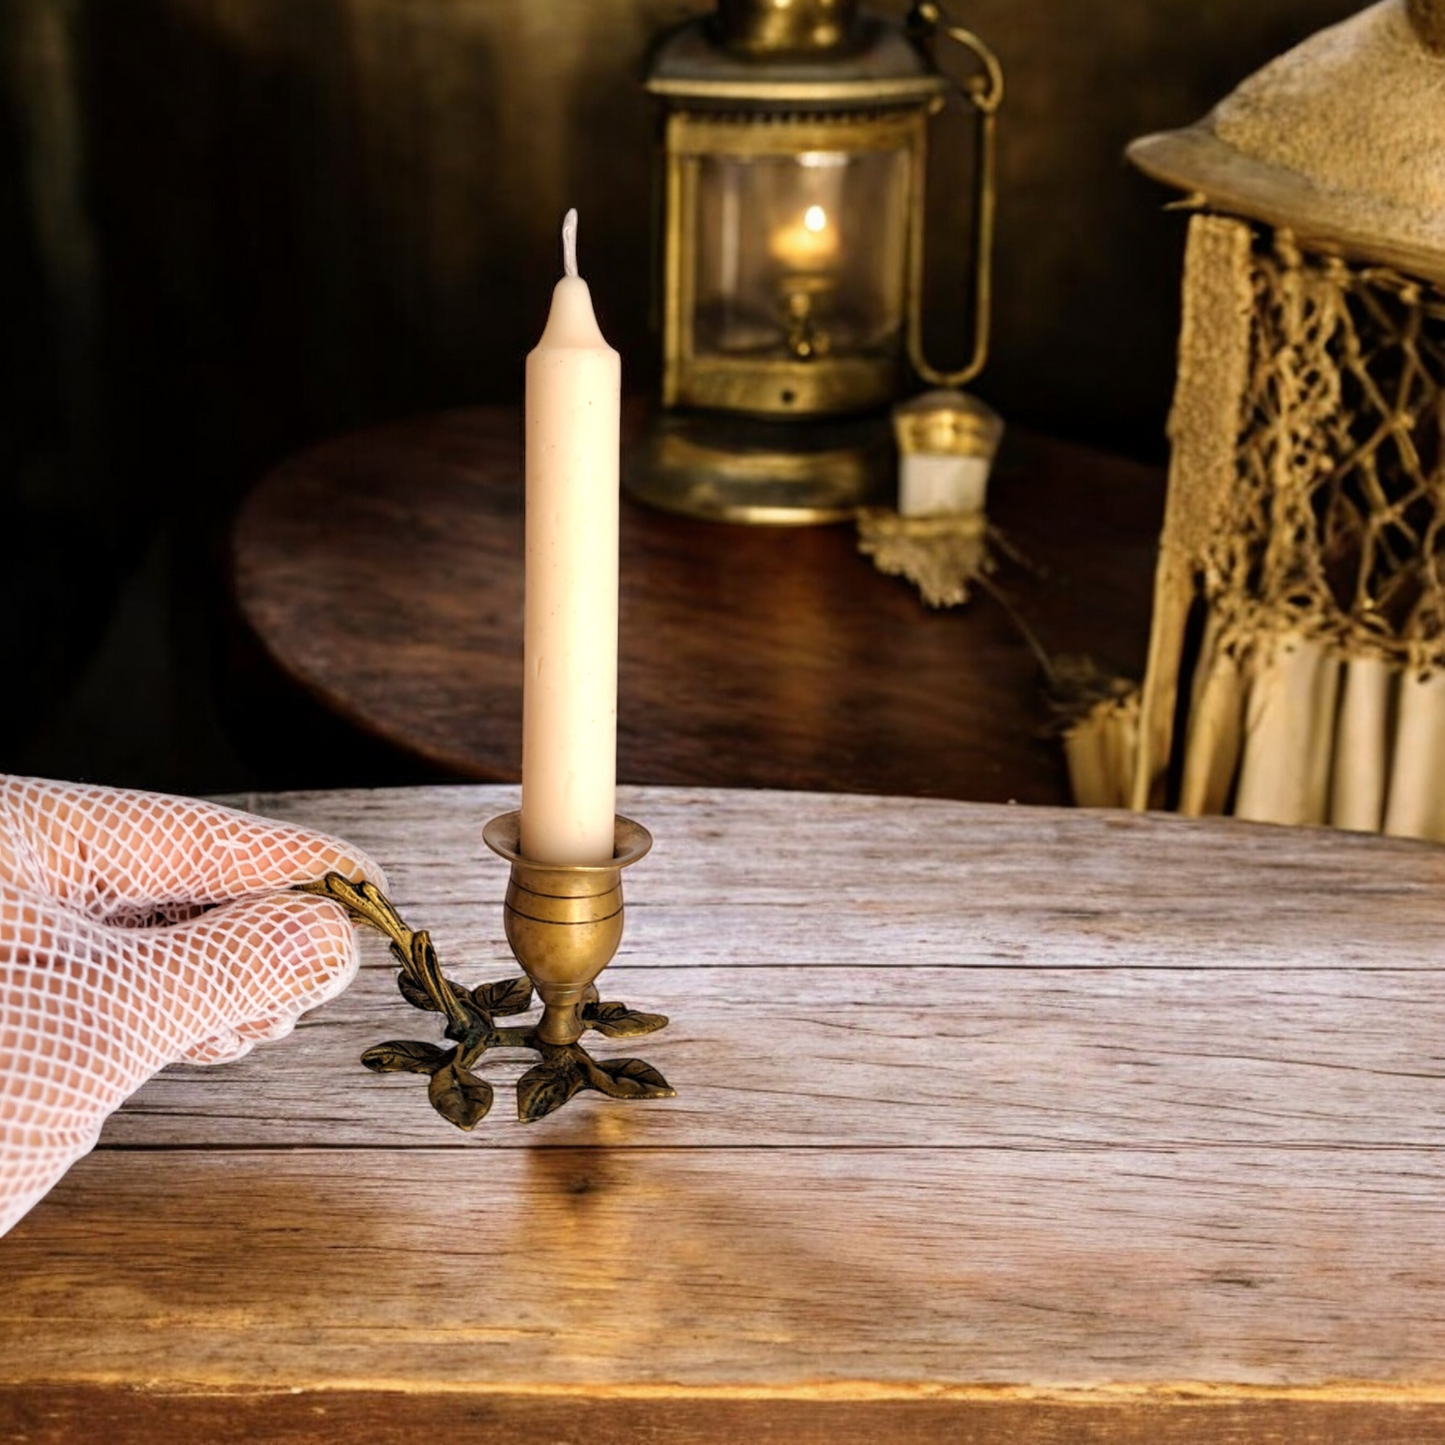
x,y
230,227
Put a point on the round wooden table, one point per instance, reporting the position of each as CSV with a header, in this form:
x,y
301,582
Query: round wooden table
x,y
383,572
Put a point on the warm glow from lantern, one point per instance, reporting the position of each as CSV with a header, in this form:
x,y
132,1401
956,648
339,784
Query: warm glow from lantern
x,y
809,247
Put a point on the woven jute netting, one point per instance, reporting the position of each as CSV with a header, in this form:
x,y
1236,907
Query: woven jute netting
x,y
1331,527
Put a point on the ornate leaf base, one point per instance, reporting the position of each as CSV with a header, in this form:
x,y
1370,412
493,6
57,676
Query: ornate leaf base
x,y
456,1092
459,1095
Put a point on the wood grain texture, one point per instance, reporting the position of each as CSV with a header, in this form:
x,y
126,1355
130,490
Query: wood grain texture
x,y
383,571
134,1417
992,1123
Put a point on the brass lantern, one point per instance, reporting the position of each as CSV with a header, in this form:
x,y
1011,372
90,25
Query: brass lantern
x,y
792,253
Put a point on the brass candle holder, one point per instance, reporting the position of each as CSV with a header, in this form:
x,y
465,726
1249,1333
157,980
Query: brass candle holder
x,y
564,923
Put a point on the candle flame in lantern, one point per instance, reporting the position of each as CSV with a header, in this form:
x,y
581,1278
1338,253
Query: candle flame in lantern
x,y
809,245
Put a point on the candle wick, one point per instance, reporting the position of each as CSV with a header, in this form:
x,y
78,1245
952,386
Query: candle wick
x,y
569,242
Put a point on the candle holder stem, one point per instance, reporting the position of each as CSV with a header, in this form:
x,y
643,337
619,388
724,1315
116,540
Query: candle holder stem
x,y
564,923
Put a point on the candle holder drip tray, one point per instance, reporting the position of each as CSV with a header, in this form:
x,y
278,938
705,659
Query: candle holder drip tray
x,y
564,923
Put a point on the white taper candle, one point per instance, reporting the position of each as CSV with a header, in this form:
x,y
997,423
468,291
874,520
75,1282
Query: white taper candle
x,y
569,696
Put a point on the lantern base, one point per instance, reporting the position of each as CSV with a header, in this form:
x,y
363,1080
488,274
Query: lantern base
x,y
725,468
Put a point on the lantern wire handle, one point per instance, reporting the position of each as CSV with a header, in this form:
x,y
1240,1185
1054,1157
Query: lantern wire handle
x,y
569,242
984,92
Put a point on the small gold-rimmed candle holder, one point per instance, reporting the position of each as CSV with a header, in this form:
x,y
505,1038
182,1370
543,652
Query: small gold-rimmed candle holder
x,y
564,923
939,536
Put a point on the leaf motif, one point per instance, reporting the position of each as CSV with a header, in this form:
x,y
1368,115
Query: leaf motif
x,y
463,996
632,1079
545,1087
459,1096
418,997
508,996
406,1056
414,993
617,1021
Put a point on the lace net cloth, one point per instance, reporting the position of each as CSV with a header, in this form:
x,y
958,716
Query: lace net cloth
x,y
137,930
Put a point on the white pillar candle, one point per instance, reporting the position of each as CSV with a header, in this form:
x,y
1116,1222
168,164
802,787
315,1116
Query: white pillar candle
x,y
569,693
929,485
946,445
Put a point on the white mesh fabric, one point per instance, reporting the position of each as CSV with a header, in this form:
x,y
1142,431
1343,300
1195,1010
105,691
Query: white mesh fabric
x,y
137,930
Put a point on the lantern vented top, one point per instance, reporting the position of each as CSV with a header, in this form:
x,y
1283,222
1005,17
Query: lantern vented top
x,y
1341,140
774,27
804,55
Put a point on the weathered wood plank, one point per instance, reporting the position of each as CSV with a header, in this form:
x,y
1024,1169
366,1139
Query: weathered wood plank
x,y
747,878
990,1122
948,1058
140,1417
765,1270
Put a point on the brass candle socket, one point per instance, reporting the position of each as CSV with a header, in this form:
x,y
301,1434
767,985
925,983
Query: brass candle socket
x,y
564,923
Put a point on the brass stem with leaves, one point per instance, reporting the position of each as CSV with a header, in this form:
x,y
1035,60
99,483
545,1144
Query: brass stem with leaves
x,y
456,1092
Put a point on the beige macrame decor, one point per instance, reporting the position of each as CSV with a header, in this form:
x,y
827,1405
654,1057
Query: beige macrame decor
x,y
1296,669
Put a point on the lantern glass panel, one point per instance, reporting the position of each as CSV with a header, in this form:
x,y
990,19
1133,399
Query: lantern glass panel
x,y
800,256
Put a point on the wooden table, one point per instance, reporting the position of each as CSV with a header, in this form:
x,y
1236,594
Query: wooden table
x,y
992,1124
383,572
